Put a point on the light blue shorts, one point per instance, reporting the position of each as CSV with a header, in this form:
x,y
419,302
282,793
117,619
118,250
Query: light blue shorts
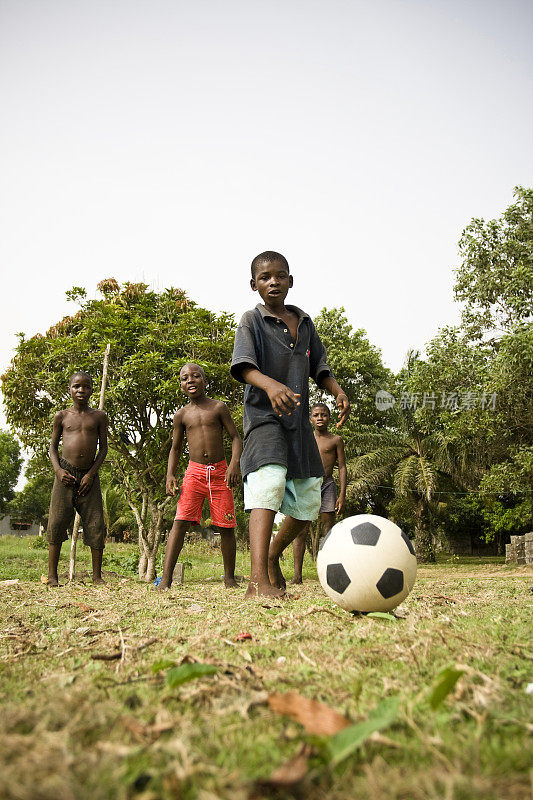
x,y
267,487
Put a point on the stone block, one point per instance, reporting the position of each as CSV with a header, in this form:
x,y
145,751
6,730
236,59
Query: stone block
x,y
179,573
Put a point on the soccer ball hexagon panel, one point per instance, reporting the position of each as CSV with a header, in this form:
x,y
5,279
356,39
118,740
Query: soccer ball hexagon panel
x,y
366,563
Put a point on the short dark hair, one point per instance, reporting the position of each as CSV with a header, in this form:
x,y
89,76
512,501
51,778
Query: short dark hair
x,y
194,364
321,405
80,372
268,257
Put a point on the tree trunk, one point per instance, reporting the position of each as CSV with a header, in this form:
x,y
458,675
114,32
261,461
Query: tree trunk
x,y
425,552
149,574
143,561
149,538
73,543
424,547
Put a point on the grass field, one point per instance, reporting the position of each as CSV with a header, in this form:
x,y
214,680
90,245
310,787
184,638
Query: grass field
x,y
92,705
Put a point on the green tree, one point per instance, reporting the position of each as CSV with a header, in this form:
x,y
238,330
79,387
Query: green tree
x,y
414,461
10,464
506,490
359,369
32,502
152,334
117,514
495,279
357,366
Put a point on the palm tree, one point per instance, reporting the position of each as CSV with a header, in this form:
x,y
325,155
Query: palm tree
x,y
116,513
416,462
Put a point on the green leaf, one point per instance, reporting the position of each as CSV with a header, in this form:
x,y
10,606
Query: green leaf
x,y
188,672
382,615
447,680
344,743
163,663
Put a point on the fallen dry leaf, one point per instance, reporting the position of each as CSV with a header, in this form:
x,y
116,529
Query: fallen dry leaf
x,y
83,606
143,733
287,775
317,718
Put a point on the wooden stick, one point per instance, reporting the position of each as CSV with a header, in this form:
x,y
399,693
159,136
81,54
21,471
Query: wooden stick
x,y
77,519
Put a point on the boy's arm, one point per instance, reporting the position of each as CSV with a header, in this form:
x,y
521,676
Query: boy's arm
x,y
330,385
178,429
57,429
88,479
343,475
232,472
282,398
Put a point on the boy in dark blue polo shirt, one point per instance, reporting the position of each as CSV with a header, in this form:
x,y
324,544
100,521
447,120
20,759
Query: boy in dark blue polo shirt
x,y
276,351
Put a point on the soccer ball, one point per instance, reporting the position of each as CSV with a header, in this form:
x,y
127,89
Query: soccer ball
x,y
366,563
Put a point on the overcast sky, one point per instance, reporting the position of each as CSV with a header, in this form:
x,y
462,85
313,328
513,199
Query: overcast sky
x,y
171,142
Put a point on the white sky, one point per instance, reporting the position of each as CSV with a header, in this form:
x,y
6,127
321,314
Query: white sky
x,y
171,142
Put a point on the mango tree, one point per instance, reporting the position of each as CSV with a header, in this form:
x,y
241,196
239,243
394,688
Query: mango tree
x,y
152,334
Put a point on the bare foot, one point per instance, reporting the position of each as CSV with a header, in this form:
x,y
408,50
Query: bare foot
x,y
263,590
296,581
275,574
231,583
98,580
52,580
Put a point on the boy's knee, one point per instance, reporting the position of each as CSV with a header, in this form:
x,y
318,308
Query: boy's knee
x,y
56,537
265,488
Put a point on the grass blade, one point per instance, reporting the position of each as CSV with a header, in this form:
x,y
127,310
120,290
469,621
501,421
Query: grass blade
x,y
344,743
163,663
446,682
188,672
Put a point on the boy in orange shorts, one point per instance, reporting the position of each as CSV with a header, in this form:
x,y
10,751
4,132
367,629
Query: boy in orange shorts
x,y
207,476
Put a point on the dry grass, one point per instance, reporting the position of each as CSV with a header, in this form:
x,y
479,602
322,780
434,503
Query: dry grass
x,y
84,715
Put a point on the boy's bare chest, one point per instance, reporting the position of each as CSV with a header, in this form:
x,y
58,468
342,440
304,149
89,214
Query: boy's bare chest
x,y
85,424
196,418
326,447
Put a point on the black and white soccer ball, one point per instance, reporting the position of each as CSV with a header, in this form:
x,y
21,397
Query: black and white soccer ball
x,y
366,563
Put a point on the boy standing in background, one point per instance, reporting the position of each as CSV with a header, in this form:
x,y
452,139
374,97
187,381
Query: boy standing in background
x,y
203,421
331,449
76,486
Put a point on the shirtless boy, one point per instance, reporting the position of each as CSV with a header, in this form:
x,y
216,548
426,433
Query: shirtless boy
x,y
331,449
207,476
76,486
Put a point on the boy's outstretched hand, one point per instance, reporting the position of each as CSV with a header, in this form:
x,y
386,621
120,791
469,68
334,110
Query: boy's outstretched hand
x,y
343,404
282,398
171,485
232,477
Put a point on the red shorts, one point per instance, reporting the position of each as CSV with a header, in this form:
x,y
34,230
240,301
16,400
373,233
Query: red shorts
x,y
201,482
